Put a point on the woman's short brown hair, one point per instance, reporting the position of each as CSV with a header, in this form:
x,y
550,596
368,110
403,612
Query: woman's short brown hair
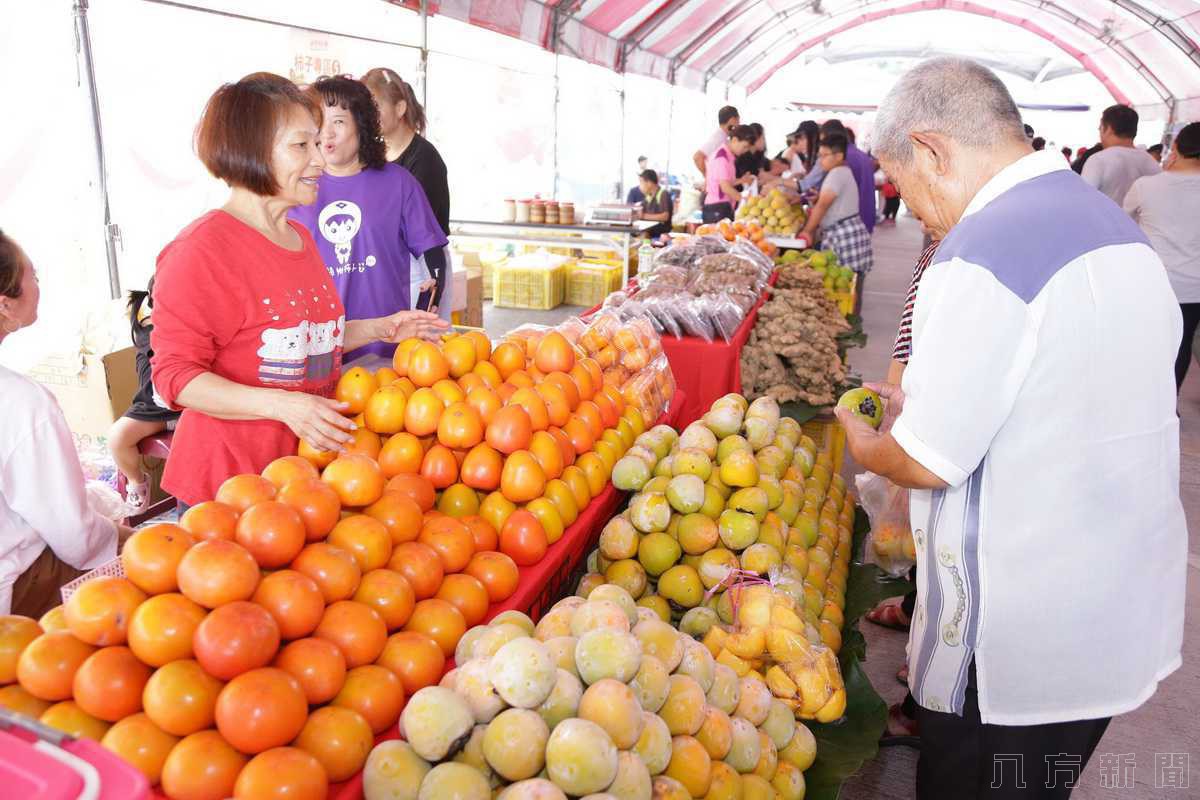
x,y
237,130
387,84
10,267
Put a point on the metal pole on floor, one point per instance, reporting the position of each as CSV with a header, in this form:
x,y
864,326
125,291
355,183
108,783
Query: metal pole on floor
x,y
424,68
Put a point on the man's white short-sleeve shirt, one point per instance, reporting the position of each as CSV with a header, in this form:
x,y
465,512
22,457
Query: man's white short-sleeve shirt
x,y
1041,389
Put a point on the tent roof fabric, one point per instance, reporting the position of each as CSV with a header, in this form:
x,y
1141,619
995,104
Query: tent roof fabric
x,y
1145,52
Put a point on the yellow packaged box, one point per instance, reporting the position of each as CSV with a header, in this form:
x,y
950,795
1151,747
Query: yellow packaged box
x,y
535,281
589,282
829,435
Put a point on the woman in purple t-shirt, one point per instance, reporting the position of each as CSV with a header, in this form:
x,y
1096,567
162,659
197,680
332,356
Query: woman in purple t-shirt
x,y
371,218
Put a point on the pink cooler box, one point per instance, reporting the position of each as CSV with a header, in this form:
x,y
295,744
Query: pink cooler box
x,y
40,762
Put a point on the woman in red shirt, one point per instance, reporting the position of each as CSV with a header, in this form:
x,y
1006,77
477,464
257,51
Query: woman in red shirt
x,y
249,330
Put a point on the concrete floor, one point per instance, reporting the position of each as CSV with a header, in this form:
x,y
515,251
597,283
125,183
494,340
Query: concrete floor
x,y
1168,722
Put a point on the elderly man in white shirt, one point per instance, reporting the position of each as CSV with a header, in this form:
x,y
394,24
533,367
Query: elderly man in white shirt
x,y
1036,425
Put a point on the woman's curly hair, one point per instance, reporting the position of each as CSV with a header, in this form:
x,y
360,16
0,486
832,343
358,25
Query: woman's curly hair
x,y
356,98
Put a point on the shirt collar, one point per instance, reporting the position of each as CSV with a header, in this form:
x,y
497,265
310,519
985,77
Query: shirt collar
x,y
1036,164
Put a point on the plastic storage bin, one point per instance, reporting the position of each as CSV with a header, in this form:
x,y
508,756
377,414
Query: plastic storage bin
x,y
588,283
535,281
828,433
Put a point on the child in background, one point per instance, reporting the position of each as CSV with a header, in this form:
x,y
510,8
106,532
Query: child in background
x,y
891,201
148,415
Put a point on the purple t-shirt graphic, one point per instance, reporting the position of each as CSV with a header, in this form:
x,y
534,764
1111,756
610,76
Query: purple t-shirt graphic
x,y
368,227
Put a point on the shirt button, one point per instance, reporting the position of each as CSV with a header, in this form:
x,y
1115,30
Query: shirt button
x,y
946,556
950,634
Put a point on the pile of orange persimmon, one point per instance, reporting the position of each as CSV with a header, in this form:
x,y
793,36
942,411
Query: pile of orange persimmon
x,y
257,648
731,231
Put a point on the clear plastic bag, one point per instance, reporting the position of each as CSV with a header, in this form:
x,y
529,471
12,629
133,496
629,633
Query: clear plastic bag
x,y
890,543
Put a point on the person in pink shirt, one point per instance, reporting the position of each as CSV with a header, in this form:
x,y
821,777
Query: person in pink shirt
x,y
721,195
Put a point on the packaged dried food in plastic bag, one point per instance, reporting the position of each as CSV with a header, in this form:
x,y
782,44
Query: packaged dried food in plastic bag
x,y
890,542
725,313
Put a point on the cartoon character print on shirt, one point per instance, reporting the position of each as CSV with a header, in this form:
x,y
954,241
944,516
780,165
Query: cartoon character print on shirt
x,y
284,355
339,222
324,339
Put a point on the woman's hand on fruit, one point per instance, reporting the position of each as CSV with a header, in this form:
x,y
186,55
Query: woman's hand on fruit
x,y
315,419
409,324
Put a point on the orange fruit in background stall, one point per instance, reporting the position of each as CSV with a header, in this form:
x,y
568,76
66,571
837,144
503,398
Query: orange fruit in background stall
x,y
558,409
510,429
546,451
365,442
580,434
468,595
402,354
608,454
481,468
460,426
385,376
440,621
210,520
243,491
356,478
497,572
14,697
69,718
339,738
99,610
583,379
16,632
450,539
522,478
423,411
286,469
427,365
354,388
181,698
554,353
534,405
594,372
522,538
203,766
420,565
521,379
589,413
564,445
273,532
365,538
402,452
282,772
595,472
505,392
507,358
485,402
334,570
261,709
236,638
317,664
161,629
449,392
46,667
416,487
607,356
634,415
293,600
577,481
495,508
406,385
217,572
609,416
376,693
152,554
109,684
317,504
357,630
54,620
547,514
141,743
458,500
483,533
471,381
439,467
385,410
488,372
483,345
559,493
460,355
390,594
415,658
318,458
399,513
568,386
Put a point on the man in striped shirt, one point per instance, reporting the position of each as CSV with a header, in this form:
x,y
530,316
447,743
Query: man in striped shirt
x,y
1037,428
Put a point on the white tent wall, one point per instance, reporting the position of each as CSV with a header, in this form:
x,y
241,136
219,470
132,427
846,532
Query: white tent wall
x,y
49,199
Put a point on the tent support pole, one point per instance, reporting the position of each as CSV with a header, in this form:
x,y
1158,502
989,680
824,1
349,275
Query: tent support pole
x,y
87,74
425,53
554,148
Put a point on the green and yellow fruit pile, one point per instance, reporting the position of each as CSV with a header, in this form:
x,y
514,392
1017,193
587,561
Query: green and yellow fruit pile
x,y
773,212
601,699
741,494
